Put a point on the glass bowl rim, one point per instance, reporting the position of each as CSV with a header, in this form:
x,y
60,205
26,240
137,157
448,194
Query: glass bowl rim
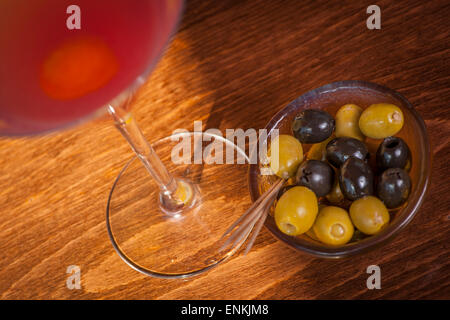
x,y
395,226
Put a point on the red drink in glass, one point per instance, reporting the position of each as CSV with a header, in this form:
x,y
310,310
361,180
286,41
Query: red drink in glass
x,y
52,76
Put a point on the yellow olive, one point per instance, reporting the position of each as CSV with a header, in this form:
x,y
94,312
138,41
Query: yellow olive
x,y
296,211
310,233
318,151
381,120
335,196
369,215
333,226
285,155
347,122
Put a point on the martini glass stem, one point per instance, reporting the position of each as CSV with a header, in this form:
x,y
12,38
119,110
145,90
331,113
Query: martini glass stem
x,y
128,127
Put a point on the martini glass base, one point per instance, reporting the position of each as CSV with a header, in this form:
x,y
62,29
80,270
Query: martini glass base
x,y
182,242
190,198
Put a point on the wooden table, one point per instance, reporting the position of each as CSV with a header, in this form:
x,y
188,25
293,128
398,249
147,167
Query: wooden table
x,y
233,64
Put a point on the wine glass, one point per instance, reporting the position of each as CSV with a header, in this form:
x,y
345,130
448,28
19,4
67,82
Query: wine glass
x,y
63,64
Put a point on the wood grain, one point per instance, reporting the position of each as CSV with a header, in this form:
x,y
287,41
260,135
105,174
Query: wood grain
x,y
234,64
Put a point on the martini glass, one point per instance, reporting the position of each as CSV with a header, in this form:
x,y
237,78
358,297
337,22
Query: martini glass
x,y
64,64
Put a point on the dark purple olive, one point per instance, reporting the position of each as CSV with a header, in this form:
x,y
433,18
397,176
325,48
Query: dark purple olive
x,y
394,187
313,126
340,149
393,152
317,176
355,179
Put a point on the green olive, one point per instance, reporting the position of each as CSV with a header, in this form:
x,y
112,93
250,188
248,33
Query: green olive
x,y
285,162
333,226
335,196
369,215
347,122
381,120
296,211
318,151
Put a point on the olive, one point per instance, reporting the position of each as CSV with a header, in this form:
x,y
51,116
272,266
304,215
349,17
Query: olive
x,y
296,211
394,187
333,226
312,126
381,120
355,179
340,149
393,152
318,151
283,190
335,196
310,233
369,215
285,155
317,176
347,122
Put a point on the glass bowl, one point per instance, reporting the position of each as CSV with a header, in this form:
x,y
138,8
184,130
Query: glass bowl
x,y
330,97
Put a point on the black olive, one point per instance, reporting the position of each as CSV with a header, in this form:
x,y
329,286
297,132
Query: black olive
x,y
313,126
355,179
317,176
394,187
340,149
393,152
